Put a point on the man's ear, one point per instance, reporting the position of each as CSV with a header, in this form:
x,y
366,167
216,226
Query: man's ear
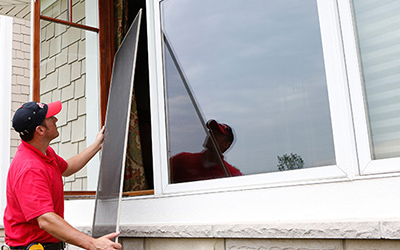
x,y
40,130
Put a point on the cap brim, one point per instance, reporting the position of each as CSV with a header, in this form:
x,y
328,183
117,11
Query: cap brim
x,y
53,108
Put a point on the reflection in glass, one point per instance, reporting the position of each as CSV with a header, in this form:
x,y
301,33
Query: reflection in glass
x,y
209,163
55,9
255,65
81,11
379,43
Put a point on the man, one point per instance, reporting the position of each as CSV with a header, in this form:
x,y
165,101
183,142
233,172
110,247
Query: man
x,y
206,164
35,199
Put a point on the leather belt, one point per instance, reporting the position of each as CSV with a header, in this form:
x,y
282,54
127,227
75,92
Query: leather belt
x,y
47,246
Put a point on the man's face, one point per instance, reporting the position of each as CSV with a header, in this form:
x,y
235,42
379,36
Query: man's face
x,y
50,127
220,140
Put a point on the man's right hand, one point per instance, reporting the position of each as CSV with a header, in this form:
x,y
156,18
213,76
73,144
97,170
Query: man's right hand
x,y
105,243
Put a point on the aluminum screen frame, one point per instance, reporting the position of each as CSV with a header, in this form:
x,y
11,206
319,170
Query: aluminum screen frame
x,y
113,157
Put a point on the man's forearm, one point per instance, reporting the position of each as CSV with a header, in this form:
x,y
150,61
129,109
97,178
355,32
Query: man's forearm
x,y
77,162
60,229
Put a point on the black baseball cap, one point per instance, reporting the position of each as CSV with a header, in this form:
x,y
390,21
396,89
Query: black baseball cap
x,y
32,114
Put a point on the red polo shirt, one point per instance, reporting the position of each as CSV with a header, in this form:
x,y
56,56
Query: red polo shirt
x,y
34,187
192,167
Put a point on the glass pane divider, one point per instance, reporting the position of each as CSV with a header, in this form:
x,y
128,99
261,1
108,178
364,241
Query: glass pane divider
x,y
76,25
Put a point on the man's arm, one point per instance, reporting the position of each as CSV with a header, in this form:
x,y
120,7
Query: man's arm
x,y
77,162
60,229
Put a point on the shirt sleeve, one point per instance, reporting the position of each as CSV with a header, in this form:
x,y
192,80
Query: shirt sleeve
x,y
33,191
61,163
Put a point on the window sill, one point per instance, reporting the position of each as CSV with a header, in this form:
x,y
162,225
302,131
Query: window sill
x,y
78,195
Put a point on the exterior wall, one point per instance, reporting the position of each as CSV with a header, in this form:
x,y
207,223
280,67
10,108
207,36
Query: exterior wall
x,y
63,77
244,244
264,244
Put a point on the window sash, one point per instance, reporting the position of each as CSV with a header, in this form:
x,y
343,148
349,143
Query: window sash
x,y
95,37
367,165
339,106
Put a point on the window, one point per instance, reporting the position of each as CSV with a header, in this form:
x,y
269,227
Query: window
x,y
374,69
69,71
273,71
267,82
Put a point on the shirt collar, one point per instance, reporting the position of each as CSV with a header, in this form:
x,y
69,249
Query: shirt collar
x,y
36,151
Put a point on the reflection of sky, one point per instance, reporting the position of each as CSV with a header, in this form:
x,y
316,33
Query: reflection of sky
x,y
256,65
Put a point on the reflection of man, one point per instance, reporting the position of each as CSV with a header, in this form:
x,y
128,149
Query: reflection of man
x,y
35,198
206,164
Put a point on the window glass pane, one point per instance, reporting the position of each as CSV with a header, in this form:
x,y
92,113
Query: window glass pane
x,y
378,27
68,67
256,66
83,11
54,8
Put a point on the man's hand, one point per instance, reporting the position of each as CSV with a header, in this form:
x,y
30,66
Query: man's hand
x,y
105,243
100,137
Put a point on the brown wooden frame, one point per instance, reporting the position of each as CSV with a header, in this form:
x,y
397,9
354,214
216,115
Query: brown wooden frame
x,y
106,54
106,59
106,47
36,51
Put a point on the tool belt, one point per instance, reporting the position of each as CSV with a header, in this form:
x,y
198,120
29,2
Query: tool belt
x,y
42,246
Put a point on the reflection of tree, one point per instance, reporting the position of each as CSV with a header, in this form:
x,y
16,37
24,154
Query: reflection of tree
x,y
290,162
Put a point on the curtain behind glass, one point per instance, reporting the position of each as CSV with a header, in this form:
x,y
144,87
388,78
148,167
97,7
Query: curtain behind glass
x,y
134,171
378,26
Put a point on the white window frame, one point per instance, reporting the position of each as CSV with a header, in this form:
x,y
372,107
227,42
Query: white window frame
x,y
367,164
6,41
341,115
93,120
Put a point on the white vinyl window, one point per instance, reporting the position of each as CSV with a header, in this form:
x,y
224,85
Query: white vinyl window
x,y
277,77
374,71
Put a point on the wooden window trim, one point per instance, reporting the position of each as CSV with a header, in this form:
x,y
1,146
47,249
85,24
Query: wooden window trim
x,y
106,56
106,49
36,52
74,195
76,25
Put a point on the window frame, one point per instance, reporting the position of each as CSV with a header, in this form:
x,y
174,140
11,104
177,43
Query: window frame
x,y
367,165
338,92
105,45
6,68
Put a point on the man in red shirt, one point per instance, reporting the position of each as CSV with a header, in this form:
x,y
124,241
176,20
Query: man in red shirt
x,y
206,164
35,197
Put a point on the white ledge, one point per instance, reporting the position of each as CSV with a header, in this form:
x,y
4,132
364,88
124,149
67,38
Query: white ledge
x,y
297,230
